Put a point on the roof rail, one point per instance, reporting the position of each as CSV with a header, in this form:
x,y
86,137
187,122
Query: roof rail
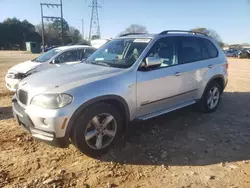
x,y
182,31
123,35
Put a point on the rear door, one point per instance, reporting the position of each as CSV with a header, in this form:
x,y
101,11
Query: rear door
x,y
196,57
189,58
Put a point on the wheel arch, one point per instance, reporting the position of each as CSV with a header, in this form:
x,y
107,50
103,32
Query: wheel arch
x,y
114,100
218,78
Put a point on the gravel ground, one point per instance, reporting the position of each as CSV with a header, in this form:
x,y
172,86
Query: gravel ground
x,y
181,149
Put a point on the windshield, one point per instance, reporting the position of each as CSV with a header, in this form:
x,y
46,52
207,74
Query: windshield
x,y
47,55
121,53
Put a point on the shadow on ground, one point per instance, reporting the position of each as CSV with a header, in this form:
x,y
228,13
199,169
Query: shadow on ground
x,y
188,137
6,113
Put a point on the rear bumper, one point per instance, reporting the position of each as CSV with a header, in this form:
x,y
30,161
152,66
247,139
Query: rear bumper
x,y
26,123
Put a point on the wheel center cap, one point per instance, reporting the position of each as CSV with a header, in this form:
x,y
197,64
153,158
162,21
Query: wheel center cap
x,y
100,130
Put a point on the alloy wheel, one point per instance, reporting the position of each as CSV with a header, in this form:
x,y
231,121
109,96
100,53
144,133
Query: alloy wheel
x,y
100,131
213,97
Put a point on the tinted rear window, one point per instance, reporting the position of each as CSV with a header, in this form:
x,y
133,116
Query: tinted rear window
x,y
189,50
212,50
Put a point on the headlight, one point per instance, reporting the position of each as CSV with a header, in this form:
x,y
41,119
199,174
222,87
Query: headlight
x,y
16,75
52,101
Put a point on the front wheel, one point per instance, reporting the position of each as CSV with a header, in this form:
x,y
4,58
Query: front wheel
x,y
97,129
211,97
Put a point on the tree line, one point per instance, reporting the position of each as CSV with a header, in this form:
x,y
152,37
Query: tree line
x,y
14,33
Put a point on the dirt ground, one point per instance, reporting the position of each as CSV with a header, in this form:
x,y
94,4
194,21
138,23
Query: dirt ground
x,y
182,149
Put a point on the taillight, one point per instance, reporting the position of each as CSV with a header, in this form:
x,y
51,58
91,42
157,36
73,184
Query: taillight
x,y
227,66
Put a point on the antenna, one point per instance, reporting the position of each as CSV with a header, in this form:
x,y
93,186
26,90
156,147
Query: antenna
x,y
94,29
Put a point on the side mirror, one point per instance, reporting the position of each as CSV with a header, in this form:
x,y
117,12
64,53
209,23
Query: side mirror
x,y
152,62
54,61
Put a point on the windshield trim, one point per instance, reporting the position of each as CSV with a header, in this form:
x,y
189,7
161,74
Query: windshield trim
x,y
52,57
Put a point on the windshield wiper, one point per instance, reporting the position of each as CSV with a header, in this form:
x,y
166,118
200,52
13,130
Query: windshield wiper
x,y
99,63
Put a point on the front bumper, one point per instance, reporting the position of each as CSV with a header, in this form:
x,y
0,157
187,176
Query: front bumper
x,y
48,136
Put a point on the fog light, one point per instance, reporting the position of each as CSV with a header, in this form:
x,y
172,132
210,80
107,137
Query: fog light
x,y
45,121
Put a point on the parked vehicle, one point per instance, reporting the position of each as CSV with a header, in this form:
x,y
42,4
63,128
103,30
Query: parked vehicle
x,y
244,53
50,48
133,77
97,43
55,57
231,53
15,47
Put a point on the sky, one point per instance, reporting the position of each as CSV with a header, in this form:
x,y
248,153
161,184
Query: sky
x,y
230,18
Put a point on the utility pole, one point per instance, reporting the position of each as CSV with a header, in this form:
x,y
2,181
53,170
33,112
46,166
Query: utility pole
x,y
42,28
62,21
82,28
52,18
94,29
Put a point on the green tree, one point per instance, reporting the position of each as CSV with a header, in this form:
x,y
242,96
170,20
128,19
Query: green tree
x,y
95,37
16,32
75,35
135,28
52,33
57,25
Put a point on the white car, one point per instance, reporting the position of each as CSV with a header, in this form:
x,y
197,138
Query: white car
x,y
56,57
97,43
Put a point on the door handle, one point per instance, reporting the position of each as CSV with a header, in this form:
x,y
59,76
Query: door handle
x,y
210,66
177,74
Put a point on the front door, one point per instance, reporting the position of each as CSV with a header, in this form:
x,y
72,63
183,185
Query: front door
x,y
68,57
159,88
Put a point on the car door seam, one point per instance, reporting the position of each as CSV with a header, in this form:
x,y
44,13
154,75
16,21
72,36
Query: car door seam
x,y
150,102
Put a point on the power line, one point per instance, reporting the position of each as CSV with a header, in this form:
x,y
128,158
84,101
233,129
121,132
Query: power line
x,y
51,5
94,29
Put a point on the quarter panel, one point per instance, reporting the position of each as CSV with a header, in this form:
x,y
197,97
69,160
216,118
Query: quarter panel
x,y
218,70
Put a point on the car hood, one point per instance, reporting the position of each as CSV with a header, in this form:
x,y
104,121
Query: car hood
x,y
66,74
24,67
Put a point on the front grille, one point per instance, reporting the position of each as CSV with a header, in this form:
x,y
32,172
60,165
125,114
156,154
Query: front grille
x,y
22,96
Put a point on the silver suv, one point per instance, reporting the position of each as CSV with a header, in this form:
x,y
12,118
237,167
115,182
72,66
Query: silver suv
x,y
133,77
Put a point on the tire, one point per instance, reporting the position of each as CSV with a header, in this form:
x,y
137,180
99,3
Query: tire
x,y
204,104
85,127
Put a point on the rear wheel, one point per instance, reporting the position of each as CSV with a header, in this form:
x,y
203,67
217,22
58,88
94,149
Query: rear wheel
x,y
97,129
211,97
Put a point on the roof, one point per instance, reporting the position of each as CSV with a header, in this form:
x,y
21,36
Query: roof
x,y
73,47
139,36
166,33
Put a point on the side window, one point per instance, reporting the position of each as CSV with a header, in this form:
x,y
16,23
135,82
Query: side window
x,y
82,54
164,49
68,56
89,52
85,53
189,50
212,50
204,51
